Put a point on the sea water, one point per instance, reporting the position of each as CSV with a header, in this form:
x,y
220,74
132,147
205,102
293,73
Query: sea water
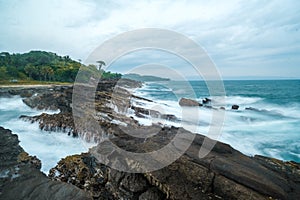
x,y
271,127
49,147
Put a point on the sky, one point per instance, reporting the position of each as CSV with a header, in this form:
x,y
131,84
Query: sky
x,y
244,39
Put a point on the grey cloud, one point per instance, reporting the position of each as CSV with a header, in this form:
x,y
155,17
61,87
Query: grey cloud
x,y
256,34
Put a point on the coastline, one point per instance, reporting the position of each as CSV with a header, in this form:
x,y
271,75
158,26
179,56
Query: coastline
x,y
225,173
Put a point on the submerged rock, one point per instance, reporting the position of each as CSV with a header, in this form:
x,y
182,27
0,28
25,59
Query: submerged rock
x,y
251,108
169,117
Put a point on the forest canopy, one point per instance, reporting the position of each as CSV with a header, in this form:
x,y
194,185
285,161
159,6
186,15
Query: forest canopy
x,y
43,66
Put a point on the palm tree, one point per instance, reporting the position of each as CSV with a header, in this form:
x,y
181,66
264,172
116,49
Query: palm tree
x,y
30,70
101,62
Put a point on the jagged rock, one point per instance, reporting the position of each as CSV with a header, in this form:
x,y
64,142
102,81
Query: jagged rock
x,y
24,92
251,108
235,107
82,171
54,98
141,98
188,102
53,122
206,101
223,174
241,176
169,117
101,181
152,194
24,157
20,176
142,112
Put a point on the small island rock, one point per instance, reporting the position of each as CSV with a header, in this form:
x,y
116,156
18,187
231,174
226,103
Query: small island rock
x,y
189,102
235,107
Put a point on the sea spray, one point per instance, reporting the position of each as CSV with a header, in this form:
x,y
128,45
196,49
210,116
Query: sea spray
x,y
49,147
266,123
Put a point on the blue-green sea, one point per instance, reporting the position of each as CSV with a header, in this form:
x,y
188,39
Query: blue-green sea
x,y
271,126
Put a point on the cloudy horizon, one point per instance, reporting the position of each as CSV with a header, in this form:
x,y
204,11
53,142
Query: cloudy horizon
x,y
243,38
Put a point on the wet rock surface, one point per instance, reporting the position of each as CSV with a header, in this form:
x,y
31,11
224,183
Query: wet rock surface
x,y
224,173
188,102
102,182
206,101
235,107
20,176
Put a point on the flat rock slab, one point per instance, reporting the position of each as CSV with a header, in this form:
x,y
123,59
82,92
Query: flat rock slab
x,y
21,180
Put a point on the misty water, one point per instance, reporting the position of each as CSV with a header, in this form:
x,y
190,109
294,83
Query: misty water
x,y
271,126
270,129
49,147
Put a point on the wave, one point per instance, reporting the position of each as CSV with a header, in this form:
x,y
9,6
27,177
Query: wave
x,y
238,100
15,104
252,128
48,147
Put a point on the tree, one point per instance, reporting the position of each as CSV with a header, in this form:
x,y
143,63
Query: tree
x,y
12,71
5,59
50,74
44,72
44,66
30,70
101,63
3,73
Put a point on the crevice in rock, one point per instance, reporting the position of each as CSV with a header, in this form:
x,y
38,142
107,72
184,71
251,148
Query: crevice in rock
x,y
212,184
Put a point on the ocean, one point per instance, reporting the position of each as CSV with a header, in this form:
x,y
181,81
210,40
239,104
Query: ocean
x,y
48,147
271,127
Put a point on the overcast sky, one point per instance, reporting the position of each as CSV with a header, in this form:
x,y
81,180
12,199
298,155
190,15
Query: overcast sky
x,y
243,38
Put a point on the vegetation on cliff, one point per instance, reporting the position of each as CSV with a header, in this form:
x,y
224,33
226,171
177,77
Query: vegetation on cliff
x,y
43,66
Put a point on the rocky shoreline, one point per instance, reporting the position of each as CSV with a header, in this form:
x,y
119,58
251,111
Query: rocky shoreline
x,y
224,173
21,178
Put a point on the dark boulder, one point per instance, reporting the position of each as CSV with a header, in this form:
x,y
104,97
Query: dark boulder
x,y
235,107
206,101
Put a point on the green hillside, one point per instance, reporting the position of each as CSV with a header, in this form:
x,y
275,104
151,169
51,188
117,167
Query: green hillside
x,y
42,66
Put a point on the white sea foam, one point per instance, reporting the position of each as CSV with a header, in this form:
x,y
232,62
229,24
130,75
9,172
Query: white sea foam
x,y
48,147
268,129
193,119
15,104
